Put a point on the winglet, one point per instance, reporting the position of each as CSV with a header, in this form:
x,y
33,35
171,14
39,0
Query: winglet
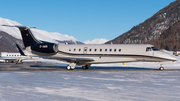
x,y
20,50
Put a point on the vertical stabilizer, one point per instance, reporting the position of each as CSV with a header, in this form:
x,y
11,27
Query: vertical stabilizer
x,y
27,36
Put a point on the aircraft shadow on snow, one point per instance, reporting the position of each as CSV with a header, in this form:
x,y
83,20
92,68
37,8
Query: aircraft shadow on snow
x,y
42,66
96,68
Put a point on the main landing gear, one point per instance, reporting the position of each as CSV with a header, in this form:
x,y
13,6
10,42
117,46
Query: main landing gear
x,y
86,67
161,68
71,66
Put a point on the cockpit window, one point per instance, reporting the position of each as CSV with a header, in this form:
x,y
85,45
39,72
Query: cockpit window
x,y
148,49
152,49
155,49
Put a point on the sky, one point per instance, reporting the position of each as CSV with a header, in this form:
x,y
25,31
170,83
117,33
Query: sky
x,y
82,19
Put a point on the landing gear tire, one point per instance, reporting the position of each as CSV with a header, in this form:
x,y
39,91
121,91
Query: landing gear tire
x,y
69,67
85,67
161,68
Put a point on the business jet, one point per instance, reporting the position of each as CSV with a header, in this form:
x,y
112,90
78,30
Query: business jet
x,y
13,57
84,55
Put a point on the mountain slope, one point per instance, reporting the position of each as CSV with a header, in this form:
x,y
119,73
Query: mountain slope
x,y
152,28
8,43
169,39
9,36
96,41
39,34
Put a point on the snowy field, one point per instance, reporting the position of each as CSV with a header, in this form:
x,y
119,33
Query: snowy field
x,y
90,86
107,82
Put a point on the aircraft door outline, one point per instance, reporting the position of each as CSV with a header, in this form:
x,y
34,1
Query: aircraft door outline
x,y
85,50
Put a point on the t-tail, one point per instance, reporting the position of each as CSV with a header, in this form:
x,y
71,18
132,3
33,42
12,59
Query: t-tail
x,y
35,44
27,36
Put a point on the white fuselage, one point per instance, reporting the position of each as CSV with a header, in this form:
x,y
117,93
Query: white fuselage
x,y
112,53
12,57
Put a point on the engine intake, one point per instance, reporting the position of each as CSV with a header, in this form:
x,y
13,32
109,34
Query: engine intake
x,y
45,47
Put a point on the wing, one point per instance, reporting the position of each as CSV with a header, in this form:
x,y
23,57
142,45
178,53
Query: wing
x,y
67,59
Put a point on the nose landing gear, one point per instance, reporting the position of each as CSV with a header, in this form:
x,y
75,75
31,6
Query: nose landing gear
x,y
161,68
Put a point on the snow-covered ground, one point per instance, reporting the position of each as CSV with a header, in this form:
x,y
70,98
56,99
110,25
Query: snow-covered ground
x,y
90,86
94,85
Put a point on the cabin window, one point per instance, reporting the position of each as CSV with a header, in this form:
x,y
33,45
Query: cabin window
x,y
95,50
155,49
74,49
79,49
14,55
85,49
114,50
148,49
9,55
119,50
69,49
89,49
110,50
105,50
17,55
100,50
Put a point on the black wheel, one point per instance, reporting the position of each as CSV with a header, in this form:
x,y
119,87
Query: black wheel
x,y
161,68
85,67
68,67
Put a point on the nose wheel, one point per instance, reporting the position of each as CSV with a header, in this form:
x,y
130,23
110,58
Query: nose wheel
x,y
84,67
161,68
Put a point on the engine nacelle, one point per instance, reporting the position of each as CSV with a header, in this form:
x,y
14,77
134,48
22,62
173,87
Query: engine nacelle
x,y
45,47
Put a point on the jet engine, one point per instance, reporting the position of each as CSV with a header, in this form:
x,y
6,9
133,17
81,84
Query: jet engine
x,y
45,47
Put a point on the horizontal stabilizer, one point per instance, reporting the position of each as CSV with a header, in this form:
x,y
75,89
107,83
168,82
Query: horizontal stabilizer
x,y
18,26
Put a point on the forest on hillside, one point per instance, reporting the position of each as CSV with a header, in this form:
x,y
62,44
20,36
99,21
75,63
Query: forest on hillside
x,y
169,39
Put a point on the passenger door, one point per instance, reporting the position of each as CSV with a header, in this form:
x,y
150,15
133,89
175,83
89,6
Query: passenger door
x,y
85,50
150,51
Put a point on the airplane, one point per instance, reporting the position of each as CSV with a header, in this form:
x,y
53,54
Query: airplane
x,y
13,57
10,57
84,55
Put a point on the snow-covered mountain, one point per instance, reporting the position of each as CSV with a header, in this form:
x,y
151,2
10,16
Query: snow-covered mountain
x,y
96,41
39,34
